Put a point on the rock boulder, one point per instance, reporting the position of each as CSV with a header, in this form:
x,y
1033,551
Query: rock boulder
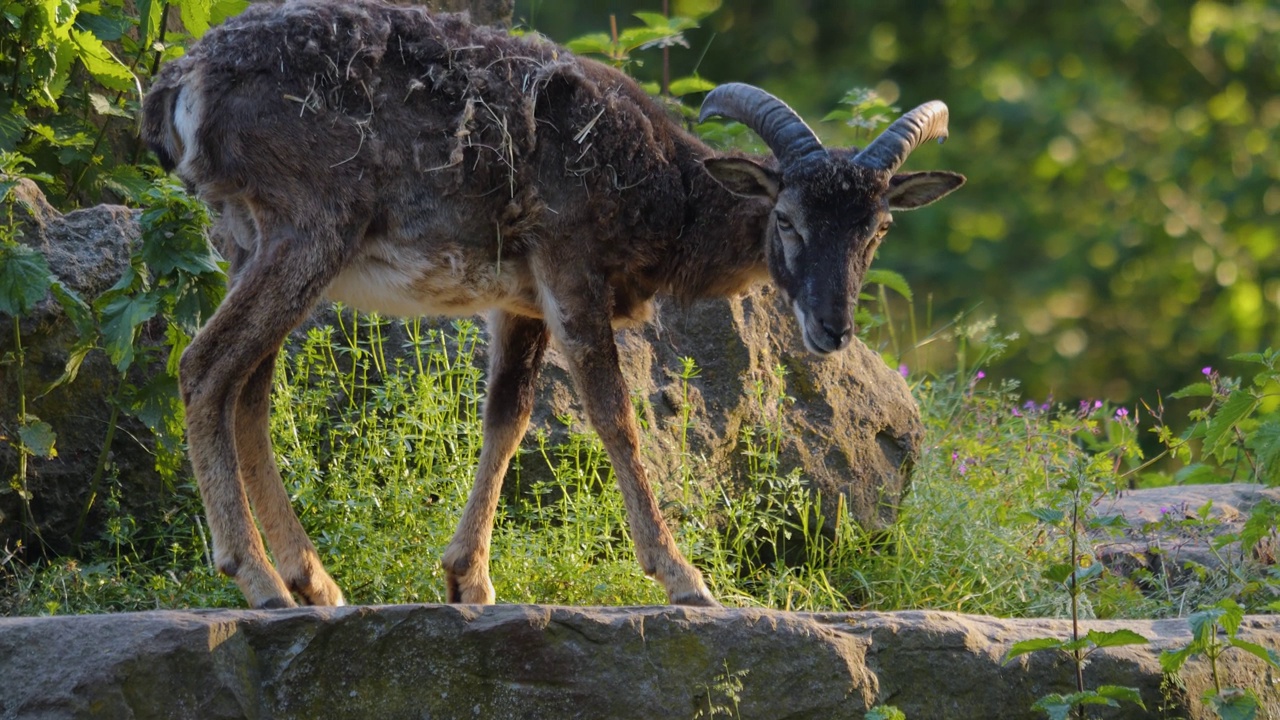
x,y
547,662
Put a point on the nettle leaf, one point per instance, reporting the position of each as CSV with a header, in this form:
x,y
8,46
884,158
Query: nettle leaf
x,y
1056,706
647,37
1265,443
1200,389
689,85
1250,357
1237,407
1088,572
891,280
1058,572
220,10
38,437
1120,692
149,12
25,278
120,321
1047,515
598,43
1232,615
695,9
102,106
1267,655
1234,704
196,16
1115,638
1171,661
100,63
13,125
1263,519
126,180
1203,624
156,402
1030,646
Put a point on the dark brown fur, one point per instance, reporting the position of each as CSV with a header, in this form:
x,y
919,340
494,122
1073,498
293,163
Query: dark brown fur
x,y
412,163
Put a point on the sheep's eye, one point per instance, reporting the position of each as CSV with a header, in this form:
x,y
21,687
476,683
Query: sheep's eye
x,y
784,223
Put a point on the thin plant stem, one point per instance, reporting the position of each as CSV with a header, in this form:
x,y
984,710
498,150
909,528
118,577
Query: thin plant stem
x,y
100,467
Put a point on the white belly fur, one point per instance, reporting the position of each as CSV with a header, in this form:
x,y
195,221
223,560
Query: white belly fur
x,y
395,282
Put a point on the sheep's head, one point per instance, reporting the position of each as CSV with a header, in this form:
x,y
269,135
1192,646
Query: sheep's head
x,y
831,208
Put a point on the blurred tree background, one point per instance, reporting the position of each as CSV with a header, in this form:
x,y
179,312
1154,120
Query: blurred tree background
x,y
1123,208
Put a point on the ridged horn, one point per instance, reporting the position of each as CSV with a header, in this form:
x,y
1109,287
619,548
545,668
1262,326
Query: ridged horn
x,y
774,121
891,148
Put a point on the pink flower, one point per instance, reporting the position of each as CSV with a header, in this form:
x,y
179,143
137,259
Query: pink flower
x,y
903,371
1122,413
1206,371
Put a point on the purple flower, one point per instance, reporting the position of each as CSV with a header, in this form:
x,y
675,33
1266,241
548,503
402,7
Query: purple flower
x,y
1206,371
1164,510
1122,413
1097,404
1016,413
903,371
981,374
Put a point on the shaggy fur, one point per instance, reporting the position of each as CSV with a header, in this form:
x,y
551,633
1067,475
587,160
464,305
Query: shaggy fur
x,y
413,164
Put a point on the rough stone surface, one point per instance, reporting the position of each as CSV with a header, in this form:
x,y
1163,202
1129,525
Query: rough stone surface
x,y
847,422
426,661
1165,534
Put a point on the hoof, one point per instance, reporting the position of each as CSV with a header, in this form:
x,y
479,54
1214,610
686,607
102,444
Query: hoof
x,y
275,604
700,598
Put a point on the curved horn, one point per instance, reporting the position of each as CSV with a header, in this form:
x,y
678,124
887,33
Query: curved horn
x,y
891,148
778,125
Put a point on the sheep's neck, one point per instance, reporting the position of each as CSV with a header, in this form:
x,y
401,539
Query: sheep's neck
x,y
721,250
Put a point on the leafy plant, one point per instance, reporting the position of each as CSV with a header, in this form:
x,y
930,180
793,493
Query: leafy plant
x,y
75,73
722,695
1214,631
25,280
1073,576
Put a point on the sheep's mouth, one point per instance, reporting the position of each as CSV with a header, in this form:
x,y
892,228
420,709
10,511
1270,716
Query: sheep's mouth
x,y
818,339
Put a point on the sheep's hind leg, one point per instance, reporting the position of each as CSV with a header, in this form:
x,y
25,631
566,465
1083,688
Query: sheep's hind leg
x,y
516,349
268,298
295,556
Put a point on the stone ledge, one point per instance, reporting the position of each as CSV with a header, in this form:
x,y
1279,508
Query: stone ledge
x,y
529,661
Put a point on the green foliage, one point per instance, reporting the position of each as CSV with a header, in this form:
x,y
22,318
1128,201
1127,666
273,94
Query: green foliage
x,y
1080,490
885,712
1214,631
1123,168
71,80
722,695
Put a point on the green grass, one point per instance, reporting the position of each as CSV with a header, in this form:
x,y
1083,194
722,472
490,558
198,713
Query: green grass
x,y
379,454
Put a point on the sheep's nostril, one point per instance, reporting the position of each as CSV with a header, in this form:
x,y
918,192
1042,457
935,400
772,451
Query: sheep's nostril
x,y
840,333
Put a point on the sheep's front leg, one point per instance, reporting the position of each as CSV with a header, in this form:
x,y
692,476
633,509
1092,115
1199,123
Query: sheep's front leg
x,y
586,335
516,348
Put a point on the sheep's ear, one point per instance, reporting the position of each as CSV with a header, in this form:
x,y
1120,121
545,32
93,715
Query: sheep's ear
x,y
908,191
744,177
